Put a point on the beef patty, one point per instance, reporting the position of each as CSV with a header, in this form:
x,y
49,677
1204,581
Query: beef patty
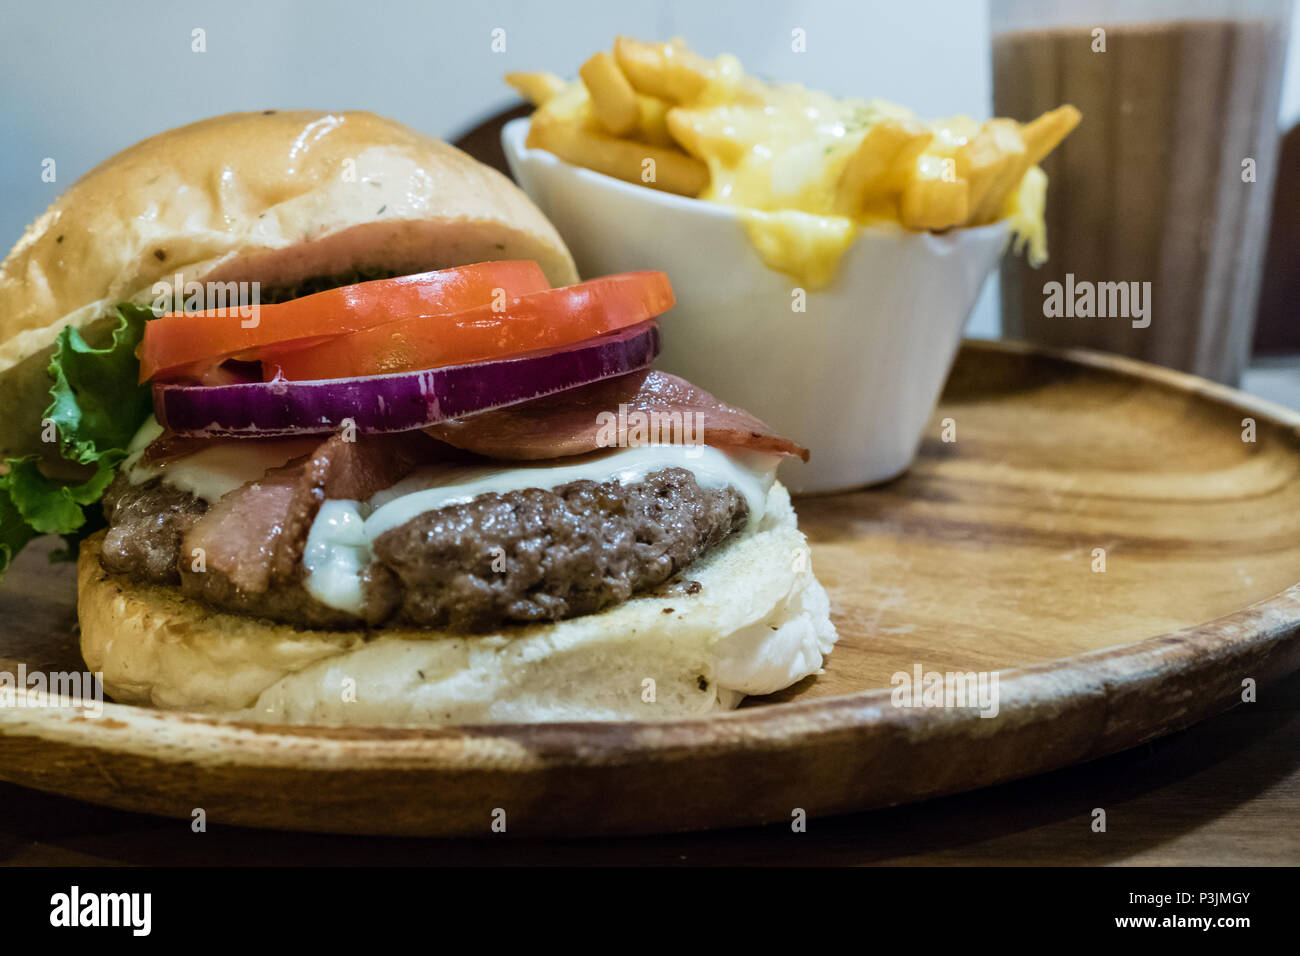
x,y
145,525
518,556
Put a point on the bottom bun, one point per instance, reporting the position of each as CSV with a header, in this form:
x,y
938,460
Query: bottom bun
x,y
758,621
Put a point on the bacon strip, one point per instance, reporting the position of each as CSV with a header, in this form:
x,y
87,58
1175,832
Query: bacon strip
x,y
571,422
255,534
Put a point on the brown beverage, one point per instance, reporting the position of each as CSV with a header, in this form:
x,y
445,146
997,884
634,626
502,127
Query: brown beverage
x,y
1151,186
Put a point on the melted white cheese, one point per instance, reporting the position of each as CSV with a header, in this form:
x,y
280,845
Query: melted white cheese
x,y
427,489
338,544
217,469
336,554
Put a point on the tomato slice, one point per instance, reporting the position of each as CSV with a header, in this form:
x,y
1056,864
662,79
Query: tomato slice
x,y
190,343
541,320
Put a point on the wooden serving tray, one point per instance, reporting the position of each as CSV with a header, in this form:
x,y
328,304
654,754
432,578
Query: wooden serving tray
x,y
980,559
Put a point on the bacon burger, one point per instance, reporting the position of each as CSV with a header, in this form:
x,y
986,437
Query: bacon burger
x,y
367,452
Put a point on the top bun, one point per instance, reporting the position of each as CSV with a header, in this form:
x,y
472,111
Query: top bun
x,y
275,197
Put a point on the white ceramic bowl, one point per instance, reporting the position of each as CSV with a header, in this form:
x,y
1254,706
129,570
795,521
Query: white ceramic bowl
x,y
854,377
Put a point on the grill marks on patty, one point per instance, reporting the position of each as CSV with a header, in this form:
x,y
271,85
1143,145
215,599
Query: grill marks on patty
x,y
521,556
535,555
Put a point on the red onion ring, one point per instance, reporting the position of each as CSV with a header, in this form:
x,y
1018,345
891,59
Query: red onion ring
x,y
402,402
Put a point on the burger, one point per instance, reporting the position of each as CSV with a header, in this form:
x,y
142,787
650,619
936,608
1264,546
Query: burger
x,y
336,435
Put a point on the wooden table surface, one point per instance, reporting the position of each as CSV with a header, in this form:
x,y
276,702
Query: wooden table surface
x,y
1224,792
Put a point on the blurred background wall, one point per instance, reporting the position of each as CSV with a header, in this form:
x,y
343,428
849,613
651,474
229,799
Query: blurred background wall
x,y
82,79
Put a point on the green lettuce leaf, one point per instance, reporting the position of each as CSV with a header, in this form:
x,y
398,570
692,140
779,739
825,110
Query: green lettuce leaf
x,y
97,406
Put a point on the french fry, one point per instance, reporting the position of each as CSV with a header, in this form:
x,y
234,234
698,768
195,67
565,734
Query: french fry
x,y
662,168
934,198
652,126
683,127
1037,139
688,129
992,162
1043,134
670,72
537,88
883,162
613,101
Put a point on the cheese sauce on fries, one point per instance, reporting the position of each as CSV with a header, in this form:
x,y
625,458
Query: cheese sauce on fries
x,y
804,170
